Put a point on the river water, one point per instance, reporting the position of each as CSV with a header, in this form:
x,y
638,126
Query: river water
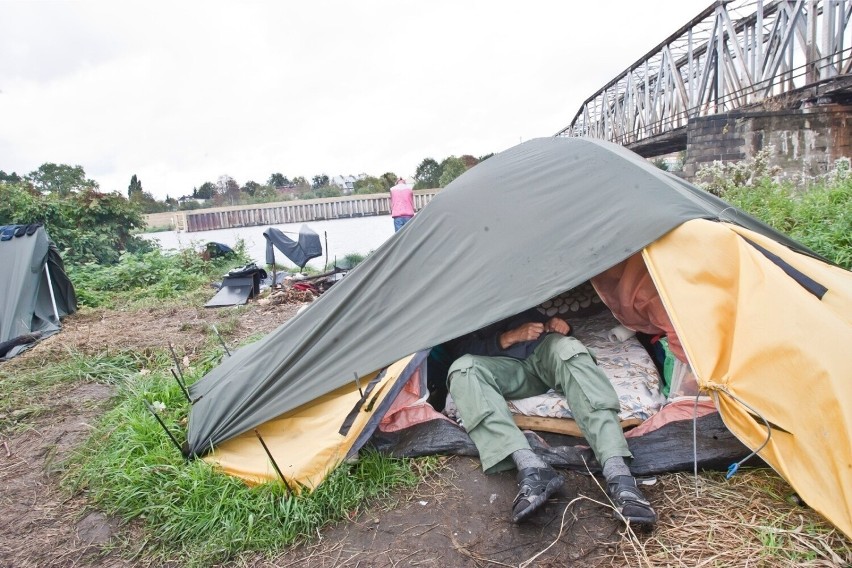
x,y
359,235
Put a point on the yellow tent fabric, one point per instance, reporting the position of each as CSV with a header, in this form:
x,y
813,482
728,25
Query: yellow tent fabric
x,y
767,349
306,442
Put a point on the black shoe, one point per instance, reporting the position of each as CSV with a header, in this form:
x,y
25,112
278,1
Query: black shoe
x,y
536,484
629,502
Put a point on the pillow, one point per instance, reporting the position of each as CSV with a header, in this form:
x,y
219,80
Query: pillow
x,y
580,301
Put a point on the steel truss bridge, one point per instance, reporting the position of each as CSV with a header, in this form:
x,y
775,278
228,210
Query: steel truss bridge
x,y
734,55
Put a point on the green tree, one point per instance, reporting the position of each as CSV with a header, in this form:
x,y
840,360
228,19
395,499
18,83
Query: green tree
x,y
61,179
469,161
206,191
451,168
266,194
485,157
329,191
9,178
134,187
20,203
251,187
301,183
389,180
189,206
277,180
227,191
87,226
147,203
319,181
370,185
428,174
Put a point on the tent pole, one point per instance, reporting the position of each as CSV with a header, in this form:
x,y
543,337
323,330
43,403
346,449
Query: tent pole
x,y
160,420
177,364
50,287
222,341
358,384
274,464
181,385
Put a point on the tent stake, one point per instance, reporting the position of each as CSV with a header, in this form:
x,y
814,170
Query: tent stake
x,y
358,384
182,386
222,341
274,464
157,416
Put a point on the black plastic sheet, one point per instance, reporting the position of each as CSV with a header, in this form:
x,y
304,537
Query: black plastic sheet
x,y
665,450
299,252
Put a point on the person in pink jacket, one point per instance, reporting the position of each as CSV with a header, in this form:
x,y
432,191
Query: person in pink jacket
x,y
401,203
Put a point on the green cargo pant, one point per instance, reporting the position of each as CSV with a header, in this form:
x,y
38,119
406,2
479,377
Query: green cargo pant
x,y
480,386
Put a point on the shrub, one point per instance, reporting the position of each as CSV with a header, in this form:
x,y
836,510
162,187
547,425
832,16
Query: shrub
x,y
87,226
149,275
818,216
719,178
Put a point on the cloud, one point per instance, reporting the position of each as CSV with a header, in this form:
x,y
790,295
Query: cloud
x,y
180,93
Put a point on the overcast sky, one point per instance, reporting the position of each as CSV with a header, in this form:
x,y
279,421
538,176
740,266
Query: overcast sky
x,y
180,93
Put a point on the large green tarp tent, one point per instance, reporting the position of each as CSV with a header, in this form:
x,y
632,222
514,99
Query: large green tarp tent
x,y
512,232
764,322
36,292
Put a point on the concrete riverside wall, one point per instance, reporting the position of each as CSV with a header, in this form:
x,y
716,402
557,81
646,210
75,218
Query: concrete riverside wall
x,y
159,220
805,143
282,212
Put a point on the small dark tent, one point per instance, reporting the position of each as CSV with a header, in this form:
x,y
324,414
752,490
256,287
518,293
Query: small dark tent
x,y
763,322
36,292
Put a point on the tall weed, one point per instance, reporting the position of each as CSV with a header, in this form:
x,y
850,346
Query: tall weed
x,y
149,275
818,215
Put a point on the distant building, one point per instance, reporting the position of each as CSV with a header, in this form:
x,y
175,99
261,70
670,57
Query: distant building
x,y
184,199
346,183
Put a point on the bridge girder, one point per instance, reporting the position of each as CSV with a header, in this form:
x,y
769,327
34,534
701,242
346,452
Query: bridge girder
x,y
733,55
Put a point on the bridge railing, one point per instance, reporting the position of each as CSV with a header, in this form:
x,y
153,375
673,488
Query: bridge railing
x,y
732,55
297,211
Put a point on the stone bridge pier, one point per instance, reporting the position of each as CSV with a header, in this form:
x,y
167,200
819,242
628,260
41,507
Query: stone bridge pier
x,y
803,142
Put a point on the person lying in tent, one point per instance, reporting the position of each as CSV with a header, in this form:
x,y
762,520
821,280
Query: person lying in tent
x,y
526,355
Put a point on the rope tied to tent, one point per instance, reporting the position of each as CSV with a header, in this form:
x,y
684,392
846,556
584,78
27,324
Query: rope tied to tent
x,y
734,467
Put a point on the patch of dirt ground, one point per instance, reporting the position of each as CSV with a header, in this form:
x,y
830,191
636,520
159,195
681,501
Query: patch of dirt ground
x,y
461,518
40,524
457,517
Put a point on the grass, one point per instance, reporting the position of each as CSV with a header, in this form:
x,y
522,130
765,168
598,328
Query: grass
x,y
819,216
348,261
28,388
153,276
753,519
182,511
131,469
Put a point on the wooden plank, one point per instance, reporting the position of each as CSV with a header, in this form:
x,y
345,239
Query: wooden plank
x,y
560,425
